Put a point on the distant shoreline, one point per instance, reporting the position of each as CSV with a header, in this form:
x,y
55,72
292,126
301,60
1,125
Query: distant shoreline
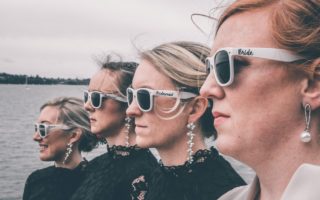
x,y
6,78
39,84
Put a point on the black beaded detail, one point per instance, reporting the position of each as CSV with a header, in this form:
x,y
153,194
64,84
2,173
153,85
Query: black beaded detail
x,y
119,151
198,158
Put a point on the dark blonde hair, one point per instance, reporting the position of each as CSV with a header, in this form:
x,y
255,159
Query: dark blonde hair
x,y
184,63
123,72
73,114
295,24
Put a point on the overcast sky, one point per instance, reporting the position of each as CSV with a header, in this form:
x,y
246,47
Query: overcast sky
x,y
60,38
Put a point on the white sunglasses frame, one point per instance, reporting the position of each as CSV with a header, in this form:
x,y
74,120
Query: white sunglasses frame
x,y
103,95
47,128
163,93
275,54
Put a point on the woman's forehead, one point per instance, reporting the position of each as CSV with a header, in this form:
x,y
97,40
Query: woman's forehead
x,y
147,75
247,29
49,114
103,80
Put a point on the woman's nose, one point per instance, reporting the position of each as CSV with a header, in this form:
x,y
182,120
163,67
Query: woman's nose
x,y
36,137
210,89
87,106
133,110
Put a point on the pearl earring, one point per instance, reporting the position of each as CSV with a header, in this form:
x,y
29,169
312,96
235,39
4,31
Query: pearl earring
x,y
306,135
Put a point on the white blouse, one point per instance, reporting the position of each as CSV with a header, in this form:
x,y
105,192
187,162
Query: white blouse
x,y
303,185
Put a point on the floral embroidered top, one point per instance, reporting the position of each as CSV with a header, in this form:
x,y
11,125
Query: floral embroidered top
x,y
121,173
208,177
53,183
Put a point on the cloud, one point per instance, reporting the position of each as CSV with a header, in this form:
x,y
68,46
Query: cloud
x,y
60,37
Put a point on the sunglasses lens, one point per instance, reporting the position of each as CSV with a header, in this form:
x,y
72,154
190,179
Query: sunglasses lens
x,y
85,96
129,96
222,66
208,66
95,99
143,98
42,130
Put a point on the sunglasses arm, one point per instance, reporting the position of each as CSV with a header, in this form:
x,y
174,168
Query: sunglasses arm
x,y
187,95
268,53
115,97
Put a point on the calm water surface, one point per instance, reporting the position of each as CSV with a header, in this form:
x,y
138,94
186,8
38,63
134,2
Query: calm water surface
x,y
19,109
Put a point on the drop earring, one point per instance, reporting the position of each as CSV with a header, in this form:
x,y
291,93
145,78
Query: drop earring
x,y
190,143
68,153
128,127
306,135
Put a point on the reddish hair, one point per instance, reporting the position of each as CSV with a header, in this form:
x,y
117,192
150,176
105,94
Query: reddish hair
x,y
295,23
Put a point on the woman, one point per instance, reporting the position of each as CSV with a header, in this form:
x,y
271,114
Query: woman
x,y
171,117
265,83
63,132
112,175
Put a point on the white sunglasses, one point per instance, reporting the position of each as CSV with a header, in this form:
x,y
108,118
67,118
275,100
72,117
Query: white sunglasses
x,y
144,96
44,129
222,62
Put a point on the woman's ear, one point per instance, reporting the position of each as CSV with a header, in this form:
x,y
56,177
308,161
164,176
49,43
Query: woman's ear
x,y
311,91
199,106
75,135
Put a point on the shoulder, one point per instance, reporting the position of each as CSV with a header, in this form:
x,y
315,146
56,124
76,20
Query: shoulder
x,y
134,156
39,184
98,162
238,193
304,183
210,164
40,174
141,163
222,168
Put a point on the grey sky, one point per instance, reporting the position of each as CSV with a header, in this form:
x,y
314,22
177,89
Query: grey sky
x,y
59,38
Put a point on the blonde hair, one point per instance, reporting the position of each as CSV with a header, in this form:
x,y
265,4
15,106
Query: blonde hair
x,y
184,63
73,114
123,72
295,24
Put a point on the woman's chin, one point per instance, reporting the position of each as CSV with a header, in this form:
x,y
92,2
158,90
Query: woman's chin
x,y
142,143
45,158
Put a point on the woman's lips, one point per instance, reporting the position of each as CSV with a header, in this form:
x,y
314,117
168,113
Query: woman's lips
x,y
139,127
43,147
219,118
92,120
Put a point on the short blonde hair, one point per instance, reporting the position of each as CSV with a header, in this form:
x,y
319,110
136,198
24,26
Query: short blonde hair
x,y
73,114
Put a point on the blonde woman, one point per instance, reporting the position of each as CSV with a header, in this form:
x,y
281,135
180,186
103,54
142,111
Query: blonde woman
x,y
171,117
116,173
63,132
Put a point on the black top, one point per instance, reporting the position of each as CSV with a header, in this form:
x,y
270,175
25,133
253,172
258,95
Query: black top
x,y
119,174
53,183
208,177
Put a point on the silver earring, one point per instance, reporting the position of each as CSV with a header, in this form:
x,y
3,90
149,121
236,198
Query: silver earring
x,y
306,135
128,127
68,153
190,133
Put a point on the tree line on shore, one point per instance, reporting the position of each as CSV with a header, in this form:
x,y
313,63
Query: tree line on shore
x,y
37,80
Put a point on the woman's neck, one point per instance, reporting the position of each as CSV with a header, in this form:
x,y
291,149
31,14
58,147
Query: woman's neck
x,y
177,153
72,162
120,138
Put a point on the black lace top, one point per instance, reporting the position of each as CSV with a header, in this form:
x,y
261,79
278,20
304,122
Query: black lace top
x,y
53,183
207,177
119,174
